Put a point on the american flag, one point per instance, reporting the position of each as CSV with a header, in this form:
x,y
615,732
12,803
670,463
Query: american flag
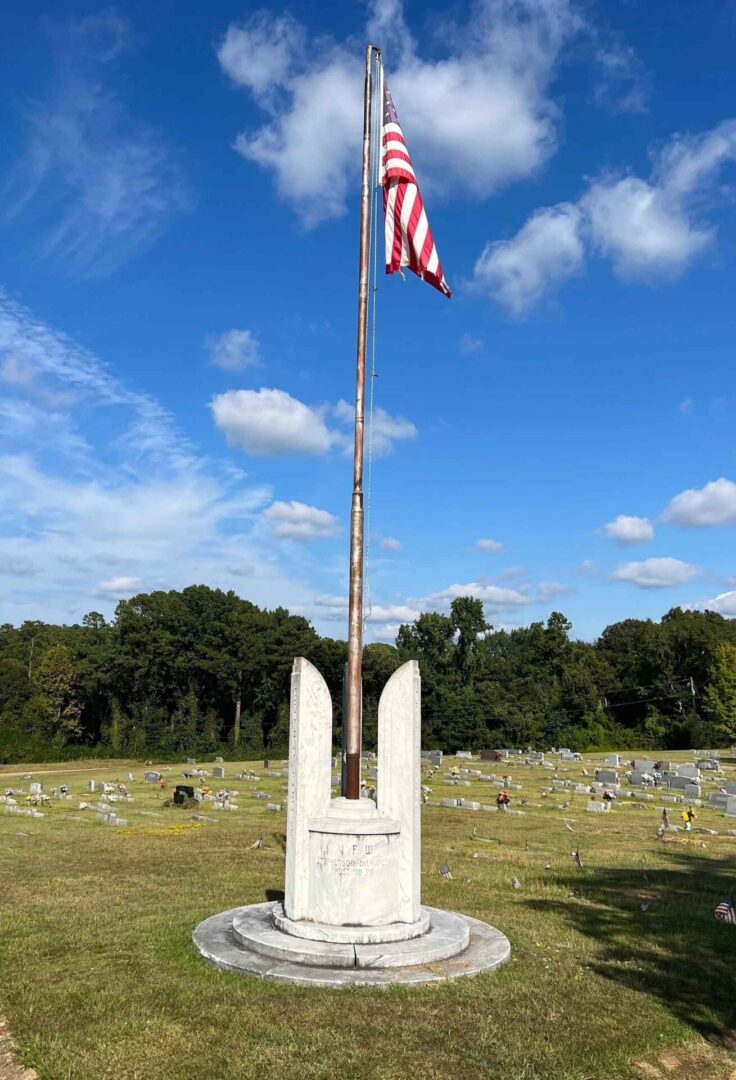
x,y
409,239
726,910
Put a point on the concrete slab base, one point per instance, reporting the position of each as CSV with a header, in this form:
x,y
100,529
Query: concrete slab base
x,y
244,940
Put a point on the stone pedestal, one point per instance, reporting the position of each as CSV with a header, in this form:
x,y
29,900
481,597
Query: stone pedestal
x,y
352,905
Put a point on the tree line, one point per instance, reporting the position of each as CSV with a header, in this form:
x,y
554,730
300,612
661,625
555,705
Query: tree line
x,y
202,671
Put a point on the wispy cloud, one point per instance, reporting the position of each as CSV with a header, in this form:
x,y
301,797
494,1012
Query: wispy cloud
x,y
99,185
87,524
235,350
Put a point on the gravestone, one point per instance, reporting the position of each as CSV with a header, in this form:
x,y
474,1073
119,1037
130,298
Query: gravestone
x,y
691,771
679,783
643,765
606,776
465,754
730,787
218,760
692,791
218,773
613,760
719,801
708,765
152,777
35,788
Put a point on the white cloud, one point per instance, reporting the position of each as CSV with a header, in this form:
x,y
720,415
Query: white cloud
x,y
102,186
390,543
648,229
714,504
627,529
270,423
641,230
656,573
511,573
396,613
260,54
235,350
494,595
493,546
381,435
724,604
384,633
120,588
298,521
546,251
548,590
476,118
469,344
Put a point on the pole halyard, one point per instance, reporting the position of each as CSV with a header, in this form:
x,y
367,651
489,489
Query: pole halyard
x,y
354,696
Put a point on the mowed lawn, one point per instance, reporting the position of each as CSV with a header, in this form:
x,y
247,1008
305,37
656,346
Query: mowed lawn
x,y
98,976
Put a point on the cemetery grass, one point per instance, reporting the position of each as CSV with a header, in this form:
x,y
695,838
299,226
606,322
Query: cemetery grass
x,y
99,977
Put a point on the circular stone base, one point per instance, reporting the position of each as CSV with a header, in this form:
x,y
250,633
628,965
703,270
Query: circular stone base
x,y
455,945
351,935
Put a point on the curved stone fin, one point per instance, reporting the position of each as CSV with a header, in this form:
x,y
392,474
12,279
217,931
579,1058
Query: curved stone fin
x,y
399,777
310,749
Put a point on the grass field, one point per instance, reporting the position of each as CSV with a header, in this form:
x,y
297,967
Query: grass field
x,y
98,977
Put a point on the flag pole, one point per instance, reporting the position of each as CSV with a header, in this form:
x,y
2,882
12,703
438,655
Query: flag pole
x,y
354,695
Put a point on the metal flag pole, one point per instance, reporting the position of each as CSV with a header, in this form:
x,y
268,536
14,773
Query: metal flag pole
x,y
352,720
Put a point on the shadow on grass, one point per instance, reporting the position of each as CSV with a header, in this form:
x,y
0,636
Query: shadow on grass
x,y
675,950
273,895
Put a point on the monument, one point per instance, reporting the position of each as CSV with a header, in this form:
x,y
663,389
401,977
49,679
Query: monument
x,y
352,911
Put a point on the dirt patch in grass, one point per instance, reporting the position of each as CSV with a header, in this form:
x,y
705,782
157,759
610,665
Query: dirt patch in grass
x,y
9,1067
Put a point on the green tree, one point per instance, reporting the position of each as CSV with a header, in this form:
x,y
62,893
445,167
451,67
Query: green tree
x,y
56,678
720,695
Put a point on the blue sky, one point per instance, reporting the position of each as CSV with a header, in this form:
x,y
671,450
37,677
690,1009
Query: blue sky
x,y
178,250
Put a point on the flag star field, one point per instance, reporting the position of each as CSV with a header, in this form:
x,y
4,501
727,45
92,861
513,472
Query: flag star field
x,y
178,282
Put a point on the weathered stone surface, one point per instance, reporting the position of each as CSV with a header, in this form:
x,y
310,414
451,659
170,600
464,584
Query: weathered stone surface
x,y
310,743
352,935
399,779
487,949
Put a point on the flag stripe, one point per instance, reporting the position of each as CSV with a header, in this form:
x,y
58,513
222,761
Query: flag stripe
x,y
409,240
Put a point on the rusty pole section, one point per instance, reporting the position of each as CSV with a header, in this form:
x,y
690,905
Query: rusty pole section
x,y
354,696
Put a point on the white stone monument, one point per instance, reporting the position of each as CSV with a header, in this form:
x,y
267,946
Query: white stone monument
x,y
352,911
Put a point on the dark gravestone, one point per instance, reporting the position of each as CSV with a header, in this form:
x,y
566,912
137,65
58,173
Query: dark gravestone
x,y
182,793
